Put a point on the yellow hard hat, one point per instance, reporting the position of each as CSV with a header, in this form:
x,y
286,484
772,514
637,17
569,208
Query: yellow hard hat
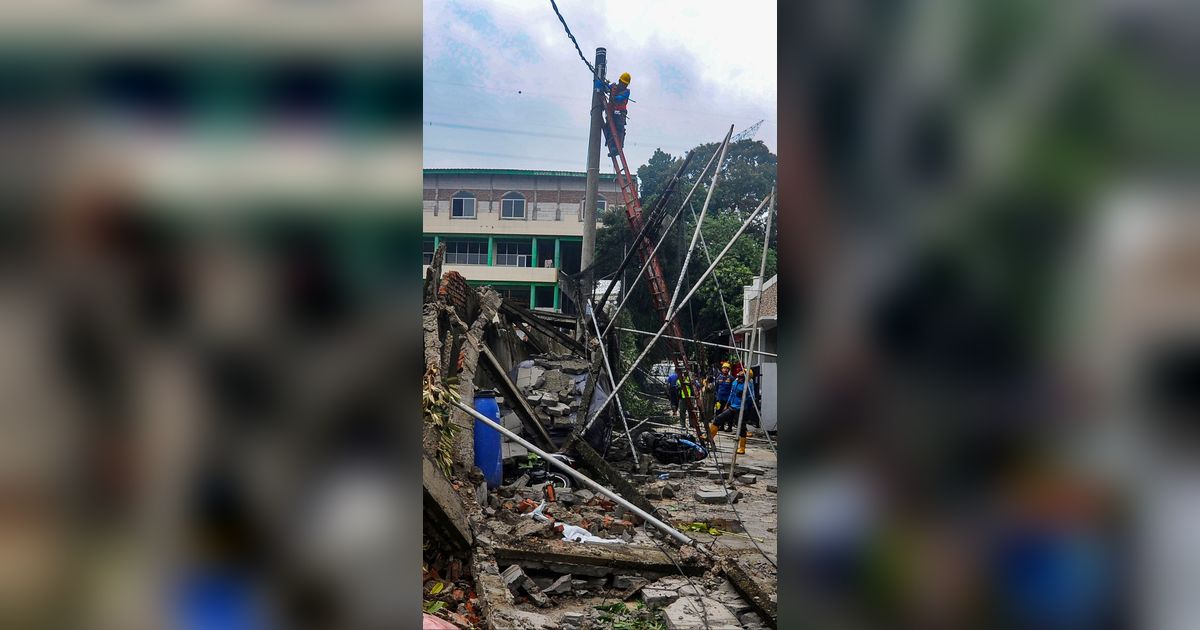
x,y
625,78
749,373
724,364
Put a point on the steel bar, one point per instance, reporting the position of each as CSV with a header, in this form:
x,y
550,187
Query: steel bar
x,y
671,316
652,218
762,268
609,370
645,264
580,477
706,343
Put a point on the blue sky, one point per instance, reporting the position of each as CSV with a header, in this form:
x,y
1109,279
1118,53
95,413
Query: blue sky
x,y
504,87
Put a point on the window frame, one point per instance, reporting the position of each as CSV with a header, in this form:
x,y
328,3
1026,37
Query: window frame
x,y
498,255
427,257
513,196
464,195
455,257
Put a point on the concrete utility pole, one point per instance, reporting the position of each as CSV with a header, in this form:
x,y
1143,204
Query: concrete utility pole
x,y
593,177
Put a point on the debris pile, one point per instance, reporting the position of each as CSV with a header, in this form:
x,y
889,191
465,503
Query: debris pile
x,y
540,551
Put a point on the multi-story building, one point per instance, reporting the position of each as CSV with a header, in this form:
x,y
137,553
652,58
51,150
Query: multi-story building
x,y
510,229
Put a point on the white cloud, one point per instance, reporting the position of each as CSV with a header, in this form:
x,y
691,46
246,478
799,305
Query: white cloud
x,y
695,70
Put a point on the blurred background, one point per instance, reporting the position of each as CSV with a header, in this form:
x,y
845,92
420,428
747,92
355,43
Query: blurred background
x,y
209,295
993,314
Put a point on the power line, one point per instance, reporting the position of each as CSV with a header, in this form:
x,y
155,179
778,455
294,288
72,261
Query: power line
x,y
590,67
522,132
579,99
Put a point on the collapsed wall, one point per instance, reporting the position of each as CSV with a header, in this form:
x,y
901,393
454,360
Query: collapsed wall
x,y
525,554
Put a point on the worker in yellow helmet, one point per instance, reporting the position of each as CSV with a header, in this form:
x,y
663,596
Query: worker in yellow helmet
x,y
729,418
618,96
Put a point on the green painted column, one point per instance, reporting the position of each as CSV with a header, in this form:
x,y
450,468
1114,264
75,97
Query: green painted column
x,y
491,250
532,295
557,255
436,241
556,307
536,263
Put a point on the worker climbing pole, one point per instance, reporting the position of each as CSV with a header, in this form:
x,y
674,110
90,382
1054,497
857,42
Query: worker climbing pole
x,y
614,103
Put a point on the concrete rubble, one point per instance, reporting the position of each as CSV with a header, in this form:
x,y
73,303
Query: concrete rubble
x,y
500,567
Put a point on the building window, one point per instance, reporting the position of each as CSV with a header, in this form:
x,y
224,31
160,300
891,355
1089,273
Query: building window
x,y
514,294
601,205
462,206
514,254
427,251
466,252
512,206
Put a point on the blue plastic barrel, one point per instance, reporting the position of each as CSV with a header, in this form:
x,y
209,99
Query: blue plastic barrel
x,y
487,439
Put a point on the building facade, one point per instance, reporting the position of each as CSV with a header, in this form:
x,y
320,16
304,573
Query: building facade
x,y
767,341
510,229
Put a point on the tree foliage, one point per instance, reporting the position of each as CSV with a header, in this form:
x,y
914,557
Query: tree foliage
x,y
748,177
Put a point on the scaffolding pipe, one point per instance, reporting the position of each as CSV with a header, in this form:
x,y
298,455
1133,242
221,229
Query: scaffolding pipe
x,y
687,258
663,237
706,343
608,368
650,219
580,477
670,316
749,357
762,269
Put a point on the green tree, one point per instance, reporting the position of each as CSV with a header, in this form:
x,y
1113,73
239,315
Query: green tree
x,y
748,176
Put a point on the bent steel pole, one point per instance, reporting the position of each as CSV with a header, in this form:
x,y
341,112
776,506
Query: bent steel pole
x,y
613,383
671,316
705,343
580,477
663,237
762,268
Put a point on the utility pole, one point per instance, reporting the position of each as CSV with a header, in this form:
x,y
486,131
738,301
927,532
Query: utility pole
x,y
593,177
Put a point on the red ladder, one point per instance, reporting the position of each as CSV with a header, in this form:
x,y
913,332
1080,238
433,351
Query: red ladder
x,y
654,275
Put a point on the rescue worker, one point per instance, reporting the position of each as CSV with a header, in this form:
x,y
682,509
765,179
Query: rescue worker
x,y
729,417
724,382
618,96
687,389
673,389
708,395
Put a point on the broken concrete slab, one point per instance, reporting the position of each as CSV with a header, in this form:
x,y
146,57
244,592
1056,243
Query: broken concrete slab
x,y
549,398
516,581
561,586
739,469
772,488
559,409
658,598
747,480
691,613
443,506
593,559
521,620
711,494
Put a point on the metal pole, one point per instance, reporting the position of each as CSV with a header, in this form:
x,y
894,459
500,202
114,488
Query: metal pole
x,y
593,175
707,343
762,269
712,187
580,477
648,221
666,230
608,367
672,314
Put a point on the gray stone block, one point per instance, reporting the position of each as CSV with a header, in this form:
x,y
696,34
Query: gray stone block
x,y
686,614
747,480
